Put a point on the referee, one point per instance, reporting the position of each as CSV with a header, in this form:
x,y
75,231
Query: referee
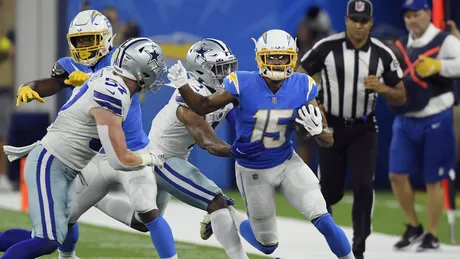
x,y
354,69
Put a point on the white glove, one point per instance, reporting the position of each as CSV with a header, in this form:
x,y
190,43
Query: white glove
x,y
151,159
177,74
311,119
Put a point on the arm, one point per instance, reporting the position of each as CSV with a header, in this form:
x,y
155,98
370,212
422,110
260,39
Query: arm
x,y
325,138
395,95
453,29
203,105
202,133
450,57
393,91
113,139
50,86
198,103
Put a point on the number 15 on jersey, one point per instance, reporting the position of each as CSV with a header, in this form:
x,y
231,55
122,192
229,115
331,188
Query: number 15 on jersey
x,y
267,122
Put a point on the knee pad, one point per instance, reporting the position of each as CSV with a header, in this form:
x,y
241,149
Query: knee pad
x,y
142,195
315,205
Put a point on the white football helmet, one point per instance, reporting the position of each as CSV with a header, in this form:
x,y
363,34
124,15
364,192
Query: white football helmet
x,y
209,61
93,30
142,60
276,44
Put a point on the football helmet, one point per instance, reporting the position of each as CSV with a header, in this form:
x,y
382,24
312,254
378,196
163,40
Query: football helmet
x,y
276,44
209,61
142,60
89,37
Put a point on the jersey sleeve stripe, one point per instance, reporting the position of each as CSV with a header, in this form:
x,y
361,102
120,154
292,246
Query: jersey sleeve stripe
x,y
109,107
107,98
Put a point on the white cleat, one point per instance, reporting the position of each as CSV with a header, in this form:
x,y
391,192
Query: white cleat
x,y
68,255
206,229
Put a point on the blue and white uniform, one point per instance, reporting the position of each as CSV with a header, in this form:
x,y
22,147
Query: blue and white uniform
x,y
270,117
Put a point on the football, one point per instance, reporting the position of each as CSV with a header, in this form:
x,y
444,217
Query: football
x,y
300,130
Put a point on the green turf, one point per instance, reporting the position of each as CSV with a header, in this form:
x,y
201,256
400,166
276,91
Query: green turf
x,y
387,217
97,242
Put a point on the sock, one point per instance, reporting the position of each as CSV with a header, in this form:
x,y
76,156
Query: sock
x,y
248,234
67,247
244,227
225,232
31,248
162,238
12,237
237,217
117,209
335,237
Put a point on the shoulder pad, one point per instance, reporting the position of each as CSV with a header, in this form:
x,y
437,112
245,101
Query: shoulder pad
x,y
108,93
231,84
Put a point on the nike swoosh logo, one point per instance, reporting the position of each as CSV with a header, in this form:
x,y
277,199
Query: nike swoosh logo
x,y
240,152
112,92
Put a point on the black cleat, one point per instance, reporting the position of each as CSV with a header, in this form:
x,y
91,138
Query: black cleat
x,y
429,243
411,236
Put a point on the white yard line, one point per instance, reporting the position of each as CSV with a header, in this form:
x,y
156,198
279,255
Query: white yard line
x,y
298,239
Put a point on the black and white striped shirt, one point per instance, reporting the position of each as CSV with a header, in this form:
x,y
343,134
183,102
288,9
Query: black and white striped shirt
x,y
343,70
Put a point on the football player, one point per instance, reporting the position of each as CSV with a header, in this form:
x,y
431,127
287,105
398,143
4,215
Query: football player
x,y
92,116
175,131
268,101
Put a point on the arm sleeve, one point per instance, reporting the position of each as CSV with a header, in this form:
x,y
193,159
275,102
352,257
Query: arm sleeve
x,y
58,72
450,57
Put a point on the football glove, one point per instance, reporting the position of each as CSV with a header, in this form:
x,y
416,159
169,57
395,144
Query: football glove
x,y
428,66
177,74
27,94
153,159
250,151
76,78
311,119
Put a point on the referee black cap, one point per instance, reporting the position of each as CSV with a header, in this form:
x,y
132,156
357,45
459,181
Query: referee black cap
x,y
360,9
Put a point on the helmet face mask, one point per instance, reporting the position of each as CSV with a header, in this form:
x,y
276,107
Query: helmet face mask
x,y
141,60
209,61
276,55
89,37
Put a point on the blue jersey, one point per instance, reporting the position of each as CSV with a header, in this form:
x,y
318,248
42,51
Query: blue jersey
x,y
136,138
268,117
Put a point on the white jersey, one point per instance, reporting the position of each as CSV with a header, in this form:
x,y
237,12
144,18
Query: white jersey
x,y
73,137
169,135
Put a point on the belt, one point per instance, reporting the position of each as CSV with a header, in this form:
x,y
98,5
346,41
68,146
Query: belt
x,y
349,122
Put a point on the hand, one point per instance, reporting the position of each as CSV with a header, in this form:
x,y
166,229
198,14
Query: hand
x,y
372,82
311,119
453,28
249,151
27,94
428,66
77,78
177,75
153,159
